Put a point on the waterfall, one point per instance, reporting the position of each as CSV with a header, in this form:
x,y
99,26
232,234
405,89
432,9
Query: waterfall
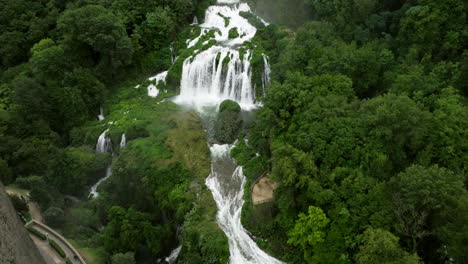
x,y
104,143
93,193
123,141
173,256
266,72
157,79
101,113
209,76
205,80
226,182
195,21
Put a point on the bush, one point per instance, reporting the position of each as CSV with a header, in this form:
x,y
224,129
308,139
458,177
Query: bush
x,y
54,217
29,182
57,248
36,232
18,204
68,261
229,105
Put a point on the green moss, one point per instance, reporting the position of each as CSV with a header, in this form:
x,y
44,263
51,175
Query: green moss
x,y
227,20
233,33
253,19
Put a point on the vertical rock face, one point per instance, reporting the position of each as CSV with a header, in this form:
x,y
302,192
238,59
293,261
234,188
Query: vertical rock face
x,y
16,247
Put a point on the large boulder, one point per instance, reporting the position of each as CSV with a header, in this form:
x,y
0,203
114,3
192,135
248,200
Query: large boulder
x,y
228,123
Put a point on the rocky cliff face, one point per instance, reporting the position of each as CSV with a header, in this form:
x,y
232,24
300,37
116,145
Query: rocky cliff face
x,y
16,247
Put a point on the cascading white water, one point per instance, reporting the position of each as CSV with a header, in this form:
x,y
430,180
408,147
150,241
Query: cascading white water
x,y
101,114
195,21
266,72
226,182
209,77
157,79
172,259
104,143
123,141
220,72
93,193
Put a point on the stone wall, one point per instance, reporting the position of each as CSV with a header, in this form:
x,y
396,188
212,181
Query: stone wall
x,y
16,247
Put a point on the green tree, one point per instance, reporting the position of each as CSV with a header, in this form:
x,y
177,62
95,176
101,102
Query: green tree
x,y
54,217
309,230
97,37
429,203
381,247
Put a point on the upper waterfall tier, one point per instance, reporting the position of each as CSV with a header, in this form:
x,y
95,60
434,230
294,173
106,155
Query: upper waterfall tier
x,y
221,71
217,74
227,17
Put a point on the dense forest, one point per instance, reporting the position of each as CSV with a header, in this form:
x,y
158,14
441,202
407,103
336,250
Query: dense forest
x,y
364,127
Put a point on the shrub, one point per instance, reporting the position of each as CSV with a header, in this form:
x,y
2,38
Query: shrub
x,y
29,182
229,105
36,232
18,203
54,216
68,261
57,248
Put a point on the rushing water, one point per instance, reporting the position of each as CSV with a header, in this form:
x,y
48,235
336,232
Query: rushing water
x,y
207,81
93,193
123,141
103,145
101,114
159,78
226,182
220,72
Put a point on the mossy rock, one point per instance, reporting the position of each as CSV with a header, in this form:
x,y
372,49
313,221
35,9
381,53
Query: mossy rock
x,y
229,122
233,33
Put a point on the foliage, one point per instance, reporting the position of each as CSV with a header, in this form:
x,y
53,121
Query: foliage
x,y
309,230
54,217
381,246
36,232
57,248
123,258
228,122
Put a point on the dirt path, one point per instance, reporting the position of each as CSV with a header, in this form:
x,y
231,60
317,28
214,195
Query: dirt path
x,y
263,190
35,211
